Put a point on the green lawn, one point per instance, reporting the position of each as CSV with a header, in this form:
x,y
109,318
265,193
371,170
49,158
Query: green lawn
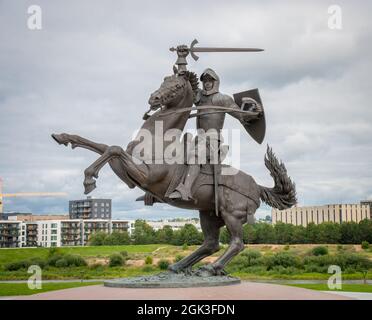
x,y
21,289
345,287
12,255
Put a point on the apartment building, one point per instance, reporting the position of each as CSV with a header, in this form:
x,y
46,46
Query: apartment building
x,y
11,234
336,213
90,208
175,225
56,233
49,233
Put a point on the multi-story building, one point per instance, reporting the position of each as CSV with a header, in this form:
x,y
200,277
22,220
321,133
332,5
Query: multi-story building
x,y
77,232
31,234
49,233
175,225
29,217
11,234
57,233
90,209
336,213
367,203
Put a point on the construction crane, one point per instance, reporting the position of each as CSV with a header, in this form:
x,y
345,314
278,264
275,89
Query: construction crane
x,y
26,194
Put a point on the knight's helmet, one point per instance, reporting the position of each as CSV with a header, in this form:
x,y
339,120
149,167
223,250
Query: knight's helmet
x,y
216,85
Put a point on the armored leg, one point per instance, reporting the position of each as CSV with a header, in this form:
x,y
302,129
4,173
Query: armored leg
x,y
183,190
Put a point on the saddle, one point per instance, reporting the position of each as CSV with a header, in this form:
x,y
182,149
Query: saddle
x,y
239,182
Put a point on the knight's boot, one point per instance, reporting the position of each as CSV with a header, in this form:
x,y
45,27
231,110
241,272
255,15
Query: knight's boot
x,y
183,190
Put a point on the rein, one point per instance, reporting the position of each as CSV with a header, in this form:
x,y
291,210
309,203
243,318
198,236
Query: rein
x,y
218,110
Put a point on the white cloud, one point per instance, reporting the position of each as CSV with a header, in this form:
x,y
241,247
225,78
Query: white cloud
x,y
92,68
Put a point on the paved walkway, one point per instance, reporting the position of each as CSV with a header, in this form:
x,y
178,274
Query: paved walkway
x,y
243,291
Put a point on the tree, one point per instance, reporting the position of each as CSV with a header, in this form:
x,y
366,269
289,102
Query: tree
x,y
224,236
284,232
329,232
299,234
97,238
143,233
190,235
117,238
312,233
165,235
264,233
350,233
365,230
249,234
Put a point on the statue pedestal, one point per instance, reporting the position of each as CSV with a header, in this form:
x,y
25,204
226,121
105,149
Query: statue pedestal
x,y
172,280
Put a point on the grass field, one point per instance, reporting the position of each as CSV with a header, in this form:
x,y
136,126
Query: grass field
x,y
21,289
12,255
345,287
97,258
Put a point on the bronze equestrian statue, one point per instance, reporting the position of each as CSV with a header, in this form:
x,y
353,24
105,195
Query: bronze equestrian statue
x,y
221,199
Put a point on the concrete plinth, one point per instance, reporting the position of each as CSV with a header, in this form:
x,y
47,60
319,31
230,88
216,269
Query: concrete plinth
x,y
171,280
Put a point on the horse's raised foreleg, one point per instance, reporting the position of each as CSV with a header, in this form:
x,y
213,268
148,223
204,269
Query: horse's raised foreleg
x,y
114,155
77,141
210,225
91,173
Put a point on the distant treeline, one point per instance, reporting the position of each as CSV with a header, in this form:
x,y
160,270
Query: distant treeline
x,y
259,233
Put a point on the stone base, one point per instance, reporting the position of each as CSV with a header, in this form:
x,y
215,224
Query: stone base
x,y
172,280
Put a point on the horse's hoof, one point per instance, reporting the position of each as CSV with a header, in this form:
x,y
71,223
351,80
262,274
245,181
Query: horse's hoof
x,y
60,138
89,186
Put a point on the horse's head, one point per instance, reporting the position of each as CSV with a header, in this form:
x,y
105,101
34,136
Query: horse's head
x,y
173,90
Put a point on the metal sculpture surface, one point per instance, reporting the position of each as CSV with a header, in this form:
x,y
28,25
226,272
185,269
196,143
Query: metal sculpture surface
x,y
222,199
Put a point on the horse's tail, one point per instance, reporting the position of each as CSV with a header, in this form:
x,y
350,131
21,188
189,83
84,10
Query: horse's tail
x,y
283,194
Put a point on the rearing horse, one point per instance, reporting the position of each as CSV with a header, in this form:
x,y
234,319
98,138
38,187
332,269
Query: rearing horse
x,y
239,195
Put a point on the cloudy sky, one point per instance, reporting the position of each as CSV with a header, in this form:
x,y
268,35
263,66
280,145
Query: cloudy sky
x,y
92,66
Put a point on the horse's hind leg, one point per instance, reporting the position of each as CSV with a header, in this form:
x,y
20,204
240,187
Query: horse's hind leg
x,y
77,141
235,227
210,225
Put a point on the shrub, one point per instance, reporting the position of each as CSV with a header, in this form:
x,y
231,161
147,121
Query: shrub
x,y
124,254
38,261
316,268
51,261
147,268
251,256
74,260
14,266
148,260
53,251
319,251
163,264
61,263
286,247
365,245
185,246
284,259
116,260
